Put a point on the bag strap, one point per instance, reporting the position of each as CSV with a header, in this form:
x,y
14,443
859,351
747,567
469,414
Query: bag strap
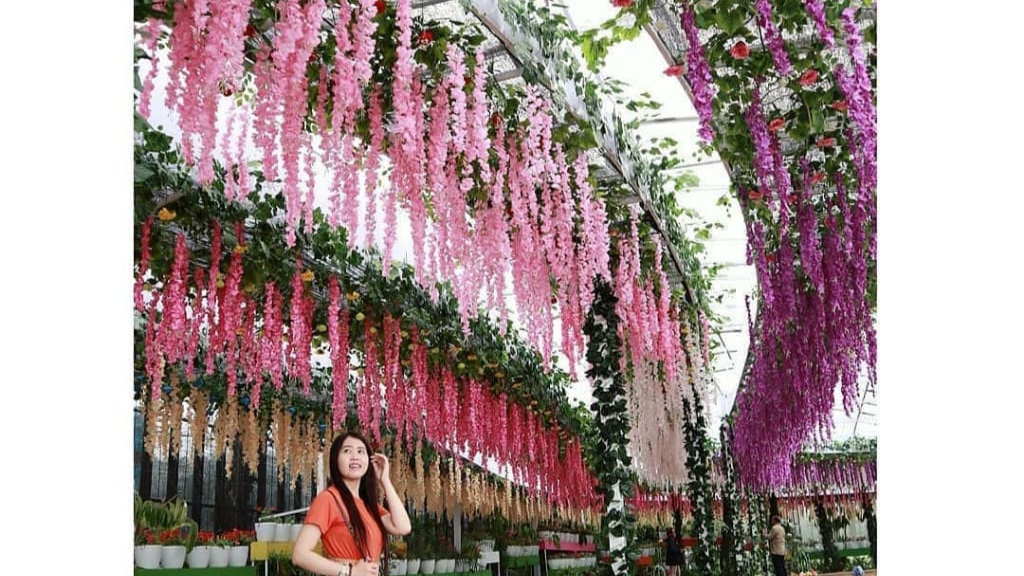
x,y
344,517
343,512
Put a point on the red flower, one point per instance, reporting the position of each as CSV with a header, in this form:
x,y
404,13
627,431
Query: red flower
x,y
841,105
755,195
674,70
826,141
792,199
381,6
622,3
770,257
776,124
817,177
809,77
740,50
250,30
426,37
496,119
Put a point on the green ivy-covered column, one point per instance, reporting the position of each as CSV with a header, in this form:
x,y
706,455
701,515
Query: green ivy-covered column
x,y
757,516
613,463
833,562
732,553
698,488
872,522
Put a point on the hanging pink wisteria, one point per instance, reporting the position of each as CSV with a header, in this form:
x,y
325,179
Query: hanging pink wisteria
x,y
540,223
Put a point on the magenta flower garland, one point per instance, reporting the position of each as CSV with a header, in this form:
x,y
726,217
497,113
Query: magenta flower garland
x,y
816,10
773,37
698,73
806,174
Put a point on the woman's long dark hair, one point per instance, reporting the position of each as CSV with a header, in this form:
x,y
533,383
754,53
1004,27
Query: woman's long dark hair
x,y
367,492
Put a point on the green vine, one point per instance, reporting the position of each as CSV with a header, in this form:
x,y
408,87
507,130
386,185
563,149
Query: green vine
x,y
699,489
501,358
604,352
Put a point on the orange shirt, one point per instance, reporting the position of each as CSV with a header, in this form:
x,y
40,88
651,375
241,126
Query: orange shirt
x,y
337,541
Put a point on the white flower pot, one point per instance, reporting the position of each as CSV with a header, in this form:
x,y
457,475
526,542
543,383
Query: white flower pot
x,y
427,566
148,556
283,532
199,557
397,567
296,528
412,566
172,556
219,557
265,531
445,566
238,556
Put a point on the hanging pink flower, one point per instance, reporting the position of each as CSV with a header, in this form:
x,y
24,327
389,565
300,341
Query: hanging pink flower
x,y
337,334
271,350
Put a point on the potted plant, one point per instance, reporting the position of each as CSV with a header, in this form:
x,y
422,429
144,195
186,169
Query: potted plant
x,y
173,551
238,552
279,563
468,557
266,526
168,521
446,555
147,549
428,557
397,565
283,529
219,551
199,556
412,560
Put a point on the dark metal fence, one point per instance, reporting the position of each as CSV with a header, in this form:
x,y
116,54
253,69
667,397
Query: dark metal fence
x,y
217,503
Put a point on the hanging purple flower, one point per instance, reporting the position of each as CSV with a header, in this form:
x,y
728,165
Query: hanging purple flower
x,y
698,74
816,10
773,37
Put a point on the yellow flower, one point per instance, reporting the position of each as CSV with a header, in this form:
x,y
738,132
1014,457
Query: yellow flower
x,y
164,214
352,295
240,249
307,276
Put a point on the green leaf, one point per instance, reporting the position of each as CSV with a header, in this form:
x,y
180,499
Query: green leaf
x,y
142,173
817,121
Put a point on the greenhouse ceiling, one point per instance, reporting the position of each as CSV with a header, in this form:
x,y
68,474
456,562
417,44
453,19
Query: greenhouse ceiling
x,y
710,206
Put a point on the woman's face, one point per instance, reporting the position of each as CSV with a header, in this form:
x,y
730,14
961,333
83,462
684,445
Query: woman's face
x,y
353,461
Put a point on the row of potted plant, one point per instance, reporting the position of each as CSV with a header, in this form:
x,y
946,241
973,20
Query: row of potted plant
x,y
422,554
172,549
166,536
578,561
277,531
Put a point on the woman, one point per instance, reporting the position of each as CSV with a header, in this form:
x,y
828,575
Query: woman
x,y
347,517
